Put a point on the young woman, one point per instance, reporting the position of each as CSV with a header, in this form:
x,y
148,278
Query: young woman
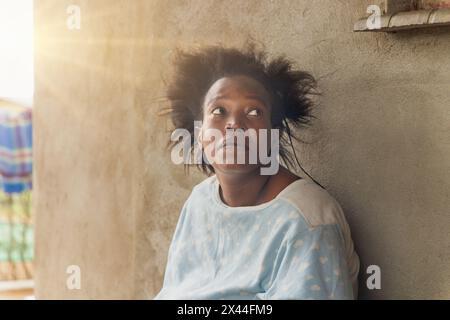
x,y
242,234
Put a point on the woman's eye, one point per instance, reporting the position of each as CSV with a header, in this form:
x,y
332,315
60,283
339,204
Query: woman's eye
x,y
218,111
254,112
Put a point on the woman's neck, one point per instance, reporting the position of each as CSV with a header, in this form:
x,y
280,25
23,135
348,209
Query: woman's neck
x,y
252,188
237,190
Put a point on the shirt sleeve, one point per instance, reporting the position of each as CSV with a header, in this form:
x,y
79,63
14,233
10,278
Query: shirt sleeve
x,y
313,266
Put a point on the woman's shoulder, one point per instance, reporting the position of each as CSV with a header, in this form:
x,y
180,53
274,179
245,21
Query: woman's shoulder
x,y
203,190
316,205
205,186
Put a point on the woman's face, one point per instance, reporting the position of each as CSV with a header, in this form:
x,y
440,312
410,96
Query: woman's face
x,y
235,102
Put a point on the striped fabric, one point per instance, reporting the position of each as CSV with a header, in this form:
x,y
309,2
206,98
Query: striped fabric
x,y
15,150
16,229
16,236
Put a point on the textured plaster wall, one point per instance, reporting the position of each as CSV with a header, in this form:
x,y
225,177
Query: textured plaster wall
x,y
107,197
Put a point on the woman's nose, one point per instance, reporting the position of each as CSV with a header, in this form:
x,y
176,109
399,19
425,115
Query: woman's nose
x,y
235,123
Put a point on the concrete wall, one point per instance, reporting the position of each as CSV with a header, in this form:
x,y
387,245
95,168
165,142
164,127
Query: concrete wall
x,y
107,197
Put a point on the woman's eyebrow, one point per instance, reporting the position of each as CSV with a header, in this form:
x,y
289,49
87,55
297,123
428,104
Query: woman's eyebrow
x,y
250,97
257,98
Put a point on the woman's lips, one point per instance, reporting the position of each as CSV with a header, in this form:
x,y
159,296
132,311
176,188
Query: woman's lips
x,y
235,145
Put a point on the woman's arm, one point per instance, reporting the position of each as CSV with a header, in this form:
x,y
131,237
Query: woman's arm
x,y
313,267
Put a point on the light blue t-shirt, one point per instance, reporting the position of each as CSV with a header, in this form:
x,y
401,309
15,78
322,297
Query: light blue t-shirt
x,y
297,246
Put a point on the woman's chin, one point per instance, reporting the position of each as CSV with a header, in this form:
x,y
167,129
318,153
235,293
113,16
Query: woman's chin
x,y
235,168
